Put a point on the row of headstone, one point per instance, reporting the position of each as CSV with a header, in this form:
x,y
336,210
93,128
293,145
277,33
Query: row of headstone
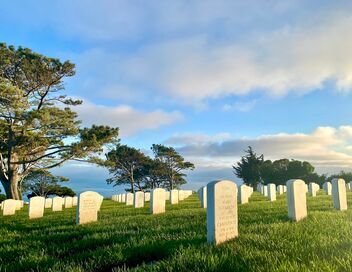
x,y
139,198
222,213
10,206
271,190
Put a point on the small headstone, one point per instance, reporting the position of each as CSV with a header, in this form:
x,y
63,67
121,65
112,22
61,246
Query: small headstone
x,y
272,192
181,195
280,189
9,207
100,201
123,198
138,200
167,195
36,207
147,196
129,199
157,201
296,199
57,204
74,201
174,197
222,222
339,194
327,188
48,203
243,194
266,190
313,188
87,208
68,202
203,201
18,206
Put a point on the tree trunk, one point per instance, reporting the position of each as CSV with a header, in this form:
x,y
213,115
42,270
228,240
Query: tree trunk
x,y
11,188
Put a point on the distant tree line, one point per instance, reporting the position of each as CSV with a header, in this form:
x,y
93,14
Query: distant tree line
x,y
130,166
253,169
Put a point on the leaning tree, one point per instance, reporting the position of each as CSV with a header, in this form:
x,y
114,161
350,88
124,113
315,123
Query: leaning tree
x,y
38,128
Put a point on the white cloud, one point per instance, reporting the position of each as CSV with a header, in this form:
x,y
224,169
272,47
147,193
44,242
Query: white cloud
x,y
241,106
128,119
326,148
299,60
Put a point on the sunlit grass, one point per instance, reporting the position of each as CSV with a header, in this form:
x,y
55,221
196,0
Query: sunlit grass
x,y
132,239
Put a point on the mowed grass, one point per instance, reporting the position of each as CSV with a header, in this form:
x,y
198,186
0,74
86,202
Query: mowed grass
x,y
128,239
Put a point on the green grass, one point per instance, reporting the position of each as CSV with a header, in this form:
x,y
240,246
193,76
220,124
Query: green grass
x,y
127,239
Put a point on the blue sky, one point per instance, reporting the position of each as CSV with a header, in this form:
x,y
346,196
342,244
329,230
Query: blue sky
x,y
208,77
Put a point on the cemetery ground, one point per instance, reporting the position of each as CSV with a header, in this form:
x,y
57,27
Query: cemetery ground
x,y
128,239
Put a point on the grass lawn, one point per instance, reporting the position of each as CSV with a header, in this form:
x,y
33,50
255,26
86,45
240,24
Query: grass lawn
x,y
127,239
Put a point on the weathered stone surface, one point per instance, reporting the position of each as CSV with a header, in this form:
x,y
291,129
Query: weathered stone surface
x,y
174,197
339,194
138,200
222,218
296,199
9,207
68,202
272,192
147,196
157,201
129,199
87,208
48,203
36,207
327,188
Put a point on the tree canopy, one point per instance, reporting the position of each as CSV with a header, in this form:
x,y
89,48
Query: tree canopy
x,y
38,128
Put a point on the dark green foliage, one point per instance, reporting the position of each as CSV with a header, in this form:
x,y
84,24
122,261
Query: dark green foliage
x,y
2,197
248,168
175,165
128,239
38,128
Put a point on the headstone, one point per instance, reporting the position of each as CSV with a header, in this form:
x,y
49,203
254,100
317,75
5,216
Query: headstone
x,y
129,199
157,201
74,201
174,197
9,207
87,208
68,202
348,187
123,198
100,201
280,189
272,192
167,195
285,188
313,188
57,204
296,199
147,196
266,190
243,194
138,200
48,203
36,207
222,220
203,201
18,206
327,187
339,194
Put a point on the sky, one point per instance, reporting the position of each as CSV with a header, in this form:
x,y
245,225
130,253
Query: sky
x,y
207,77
